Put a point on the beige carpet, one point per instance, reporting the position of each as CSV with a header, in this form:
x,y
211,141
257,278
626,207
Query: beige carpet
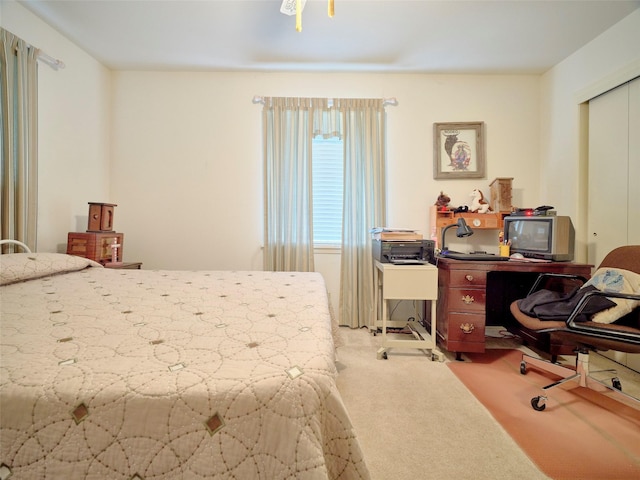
x,y
416,420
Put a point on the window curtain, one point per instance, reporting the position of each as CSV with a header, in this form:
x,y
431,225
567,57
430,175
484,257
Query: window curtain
x,y
364,206
18,143
289,127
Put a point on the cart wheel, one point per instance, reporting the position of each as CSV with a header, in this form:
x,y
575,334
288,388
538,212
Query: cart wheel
x,y
535,403
523,367
384,356
615,382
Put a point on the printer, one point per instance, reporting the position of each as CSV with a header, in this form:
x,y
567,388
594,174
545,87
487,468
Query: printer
x,y
404,253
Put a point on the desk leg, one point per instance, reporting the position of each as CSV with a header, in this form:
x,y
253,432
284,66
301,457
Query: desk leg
x,y
435,353
380,305
382,351
376,300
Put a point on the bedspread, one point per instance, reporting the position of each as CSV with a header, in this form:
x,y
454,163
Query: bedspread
x,y
136,374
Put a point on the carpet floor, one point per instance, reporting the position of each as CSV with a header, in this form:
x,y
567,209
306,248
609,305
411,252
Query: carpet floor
x,y
415,419
580,435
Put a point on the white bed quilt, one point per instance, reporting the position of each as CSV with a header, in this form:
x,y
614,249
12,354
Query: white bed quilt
x,y
138,375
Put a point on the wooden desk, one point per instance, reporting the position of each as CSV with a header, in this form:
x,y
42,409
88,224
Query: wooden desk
x,y
474,294
405,282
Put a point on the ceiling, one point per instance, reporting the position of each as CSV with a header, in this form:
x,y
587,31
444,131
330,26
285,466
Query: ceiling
x,y
426,36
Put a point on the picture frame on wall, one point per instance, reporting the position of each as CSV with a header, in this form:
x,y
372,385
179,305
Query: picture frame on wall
x,y
458,150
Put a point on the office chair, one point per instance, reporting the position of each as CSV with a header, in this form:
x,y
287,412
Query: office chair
x,y
623,335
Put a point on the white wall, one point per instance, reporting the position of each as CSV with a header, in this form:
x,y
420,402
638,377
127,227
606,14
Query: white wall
x,y
73,129
187,153
607,61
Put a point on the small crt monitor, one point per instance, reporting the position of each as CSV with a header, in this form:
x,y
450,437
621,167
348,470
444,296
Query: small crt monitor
x,y
545,237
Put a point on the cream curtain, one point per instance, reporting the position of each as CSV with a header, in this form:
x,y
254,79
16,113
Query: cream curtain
x,y
364,206
287,135
289,126
18,144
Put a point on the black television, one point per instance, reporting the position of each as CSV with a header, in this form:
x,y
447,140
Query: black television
x,y
546,237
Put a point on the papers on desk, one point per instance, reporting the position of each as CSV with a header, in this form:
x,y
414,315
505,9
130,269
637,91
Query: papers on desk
x,y
395,234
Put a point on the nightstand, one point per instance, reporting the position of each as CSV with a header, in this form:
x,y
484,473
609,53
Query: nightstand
x,y
124,265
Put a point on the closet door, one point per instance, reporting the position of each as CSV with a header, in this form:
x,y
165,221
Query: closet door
x,y
633,218
633,361
614,179
608,172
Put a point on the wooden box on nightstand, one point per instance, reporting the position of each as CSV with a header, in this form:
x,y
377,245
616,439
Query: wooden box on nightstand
x,y
95,246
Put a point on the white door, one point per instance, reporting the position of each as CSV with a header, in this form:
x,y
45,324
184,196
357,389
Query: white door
x,y
608,173
614,179
634,163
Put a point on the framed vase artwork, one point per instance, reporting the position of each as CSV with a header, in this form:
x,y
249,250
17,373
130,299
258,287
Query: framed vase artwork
x,y
458,150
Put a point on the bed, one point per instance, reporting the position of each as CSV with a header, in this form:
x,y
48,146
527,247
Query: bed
x,y
139,374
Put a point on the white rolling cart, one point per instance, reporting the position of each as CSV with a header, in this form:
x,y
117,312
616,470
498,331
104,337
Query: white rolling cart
x,y
406,282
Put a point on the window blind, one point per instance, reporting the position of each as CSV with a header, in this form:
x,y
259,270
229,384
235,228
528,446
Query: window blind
x,y
328,184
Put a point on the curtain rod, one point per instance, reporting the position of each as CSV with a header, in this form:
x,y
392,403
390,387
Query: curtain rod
x,y
385,101
49,60
43,57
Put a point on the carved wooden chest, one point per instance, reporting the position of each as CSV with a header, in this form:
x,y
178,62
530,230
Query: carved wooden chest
x,y
96,246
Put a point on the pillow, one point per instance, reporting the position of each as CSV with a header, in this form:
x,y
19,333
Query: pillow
x,y
17,267
620,281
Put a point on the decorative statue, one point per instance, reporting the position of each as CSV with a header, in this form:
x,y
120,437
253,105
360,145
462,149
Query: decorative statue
x,y
479,204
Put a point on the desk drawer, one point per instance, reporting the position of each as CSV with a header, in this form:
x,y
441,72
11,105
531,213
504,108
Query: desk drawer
x,y
466,327
468,278
482,220
467,300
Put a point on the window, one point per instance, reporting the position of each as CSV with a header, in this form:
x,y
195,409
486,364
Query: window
x,y
328,184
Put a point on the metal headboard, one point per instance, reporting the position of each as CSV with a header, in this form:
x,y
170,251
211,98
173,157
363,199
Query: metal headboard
x,y
16,242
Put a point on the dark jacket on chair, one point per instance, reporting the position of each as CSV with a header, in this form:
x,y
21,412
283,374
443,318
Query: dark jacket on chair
x,y
550,305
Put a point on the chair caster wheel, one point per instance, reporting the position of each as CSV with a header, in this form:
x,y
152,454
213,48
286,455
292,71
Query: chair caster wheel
x,y
535,403
615,382
523,367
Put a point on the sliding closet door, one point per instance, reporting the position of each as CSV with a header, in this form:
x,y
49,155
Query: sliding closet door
x,y
633,361
614,179
608,172
634,163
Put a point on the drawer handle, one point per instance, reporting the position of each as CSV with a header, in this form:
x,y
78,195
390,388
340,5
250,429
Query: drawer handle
x,y
469,277
467,327
468,299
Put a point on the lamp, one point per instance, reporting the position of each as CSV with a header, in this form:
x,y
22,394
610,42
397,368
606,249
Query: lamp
x,y
463,231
